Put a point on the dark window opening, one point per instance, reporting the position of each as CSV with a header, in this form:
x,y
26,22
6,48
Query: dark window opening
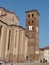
x,y
13,19
32,15
29,15
30,60
9,39
26,57
28,22
32,21
33,28
15,38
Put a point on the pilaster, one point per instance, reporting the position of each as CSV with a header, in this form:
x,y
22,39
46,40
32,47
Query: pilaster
x,y
3,42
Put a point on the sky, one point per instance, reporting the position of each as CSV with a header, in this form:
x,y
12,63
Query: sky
x,y
20,6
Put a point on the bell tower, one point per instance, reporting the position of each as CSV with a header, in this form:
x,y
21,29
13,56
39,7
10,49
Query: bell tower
x,y
32,32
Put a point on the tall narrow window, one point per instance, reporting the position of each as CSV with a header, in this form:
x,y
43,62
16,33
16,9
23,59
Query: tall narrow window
x,y
9,39
32,15
15,38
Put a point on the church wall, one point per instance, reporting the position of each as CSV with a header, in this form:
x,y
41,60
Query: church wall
x,y
17,46
3,41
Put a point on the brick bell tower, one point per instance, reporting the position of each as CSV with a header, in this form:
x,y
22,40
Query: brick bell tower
x,y
32,32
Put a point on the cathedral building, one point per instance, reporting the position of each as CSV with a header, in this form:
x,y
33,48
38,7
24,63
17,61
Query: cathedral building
x,y
16,43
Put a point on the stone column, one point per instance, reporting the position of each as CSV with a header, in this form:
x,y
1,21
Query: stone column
x,y
6,47
25,48
3,42
21,42
15,44
20,46
11,45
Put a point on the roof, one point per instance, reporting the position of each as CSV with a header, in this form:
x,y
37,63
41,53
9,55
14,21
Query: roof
x,y
17,26
31,11
41,49
8,11
12,25
44,48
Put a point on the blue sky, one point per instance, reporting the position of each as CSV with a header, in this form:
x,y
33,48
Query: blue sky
x,y
20,6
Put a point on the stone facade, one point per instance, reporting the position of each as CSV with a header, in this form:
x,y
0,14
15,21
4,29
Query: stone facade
x,y
16,43
13,44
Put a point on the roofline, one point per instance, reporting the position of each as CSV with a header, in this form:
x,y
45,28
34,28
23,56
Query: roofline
x,y
44,48
31,11
3,22
41,48
11,25
9,12
17,26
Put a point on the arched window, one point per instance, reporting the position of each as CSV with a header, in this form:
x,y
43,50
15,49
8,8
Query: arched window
x,y
32,15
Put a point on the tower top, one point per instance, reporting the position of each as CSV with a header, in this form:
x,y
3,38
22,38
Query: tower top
x,y
32,11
